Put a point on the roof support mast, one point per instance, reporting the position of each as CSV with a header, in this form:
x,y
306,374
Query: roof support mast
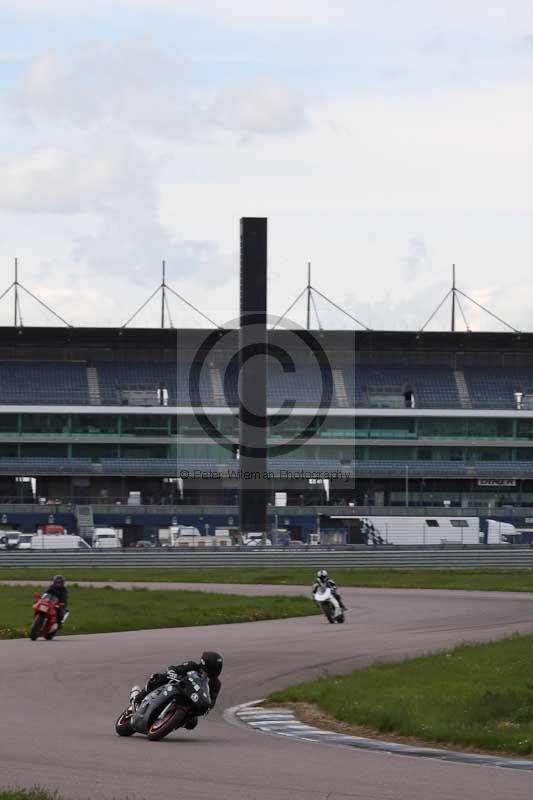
x,y
453,297
163,294
16,293
456,295
308,295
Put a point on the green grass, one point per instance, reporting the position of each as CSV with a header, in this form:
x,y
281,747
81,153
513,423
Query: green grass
x,y
497,580
108,610
28,794
475,695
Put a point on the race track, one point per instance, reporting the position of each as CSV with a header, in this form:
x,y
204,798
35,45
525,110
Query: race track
x,y
59,701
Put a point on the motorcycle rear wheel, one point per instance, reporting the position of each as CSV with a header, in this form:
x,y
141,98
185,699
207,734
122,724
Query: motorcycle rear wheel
x,y
123,725
162,727
36,626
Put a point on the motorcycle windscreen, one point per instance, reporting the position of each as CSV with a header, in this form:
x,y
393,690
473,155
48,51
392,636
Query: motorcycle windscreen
x,y
151,707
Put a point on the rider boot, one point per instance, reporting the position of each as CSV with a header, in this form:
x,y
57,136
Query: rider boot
x,y
136,695
337,597
191,723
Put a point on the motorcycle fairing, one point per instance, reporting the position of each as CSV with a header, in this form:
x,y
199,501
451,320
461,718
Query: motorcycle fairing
x,y
152,705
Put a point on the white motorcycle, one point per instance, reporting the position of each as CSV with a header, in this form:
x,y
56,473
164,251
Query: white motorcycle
x,y
324,598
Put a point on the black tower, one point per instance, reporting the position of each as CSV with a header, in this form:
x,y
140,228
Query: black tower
x,y
252,375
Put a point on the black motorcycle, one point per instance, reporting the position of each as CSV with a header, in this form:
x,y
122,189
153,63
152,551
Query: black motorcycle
x,y
166,708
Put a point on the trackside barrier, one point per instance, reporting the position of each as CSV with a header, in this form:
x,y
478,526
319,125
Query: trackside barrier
x,y
423,558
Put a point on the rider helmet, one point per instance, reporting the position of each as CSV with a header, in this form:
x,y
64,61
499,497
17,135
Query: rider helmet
x,y
322,575
58,580
212,663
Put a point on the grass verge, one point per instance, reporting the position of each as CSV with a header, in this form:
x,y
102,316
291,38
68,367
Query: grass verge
x,y
28,794
108,610
476,696
511,580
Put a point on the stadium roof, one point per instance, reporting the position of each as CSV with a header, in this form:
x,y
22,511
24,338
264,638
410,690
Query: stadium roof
x,y
50,335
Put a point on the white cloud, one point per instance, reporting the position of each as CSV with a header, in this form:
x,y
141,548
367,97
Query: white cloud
x,y
391,15
56,180
133,86
261,109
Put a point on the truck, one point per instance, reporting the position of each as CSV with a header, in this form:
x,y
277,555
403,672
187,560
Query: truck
x,y
106,539
51,528
170,537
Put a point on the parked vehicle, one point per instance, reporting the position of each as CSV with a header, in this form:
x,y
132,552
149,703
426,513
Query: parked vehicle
x,y
25,541
59,542
106,538
328,604
51,529
222,537
9,540
256,540
167,708
45,622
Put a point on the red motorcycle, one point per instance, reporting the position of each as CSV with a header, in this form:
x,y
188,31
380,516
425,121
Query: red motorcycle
x,y
45,622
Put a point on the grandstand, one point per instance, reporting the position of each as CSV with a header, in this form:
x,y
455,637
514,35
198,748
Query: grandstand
x,y
90,416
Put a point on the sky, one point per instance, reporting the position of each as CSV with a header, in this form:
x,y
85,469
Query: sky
x,y
384,141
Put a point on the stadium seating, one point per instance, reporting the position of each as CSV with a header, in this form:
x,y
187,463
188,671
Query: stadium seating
x,y
123,383
495,388
443,469
43,383
433,387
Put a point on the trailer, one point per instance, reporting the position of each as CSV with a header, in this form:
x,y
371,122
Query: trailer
x,y
409,530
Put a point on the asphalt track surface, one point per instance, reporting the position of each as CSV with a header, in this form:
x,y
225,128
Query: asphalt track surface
x,y
59,701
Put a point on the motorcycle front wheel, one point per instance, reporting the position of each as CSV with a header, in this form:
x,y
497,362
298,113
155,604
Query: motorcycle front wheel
x,y
36,626
164,725
123,725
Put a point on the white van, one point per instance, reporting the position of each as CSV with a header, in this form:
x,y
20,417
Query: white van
x,y
59,541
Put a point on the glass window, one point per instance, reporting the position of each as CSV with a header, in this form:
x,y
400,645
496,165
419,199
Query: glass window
x,y
143,451
459,523
8,423
95,451
524,428
524,453
37,450
211,452
392,428
94,423
44,423
446,428
440,453
391,453
489,454
490,428
145,425
432,523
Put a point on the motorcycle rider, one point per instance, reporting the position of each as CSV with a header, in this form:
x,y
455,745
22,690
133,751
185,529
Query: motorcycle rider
x,y
323,581
58,589
210,664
